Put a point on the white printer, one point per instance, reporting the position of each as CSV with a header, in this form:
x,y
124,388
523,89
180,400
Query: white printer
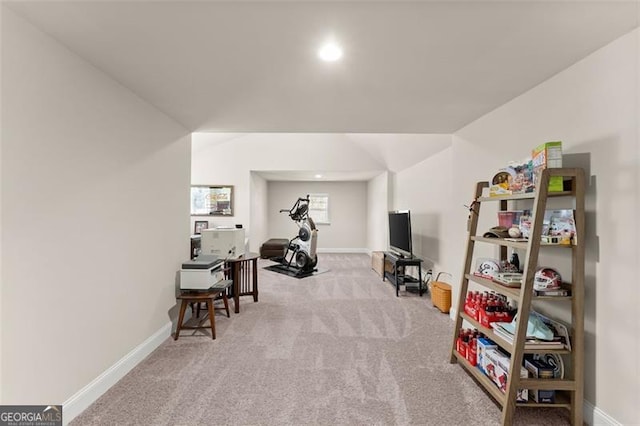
x,y
201,273
226,243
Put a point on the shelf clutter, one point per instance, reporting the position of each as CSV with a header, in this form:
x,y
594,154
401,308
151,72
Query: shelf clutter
x,y
517,354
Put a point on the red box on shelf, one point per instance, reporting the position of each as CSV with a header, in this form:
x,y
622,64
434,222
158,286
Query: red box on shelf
x,y
509,218
486,318
461,347
472,353
471,310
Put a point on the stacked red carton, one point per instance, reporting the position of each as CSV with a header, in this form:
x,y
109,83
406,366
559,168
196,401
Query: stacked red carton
x,y
487,308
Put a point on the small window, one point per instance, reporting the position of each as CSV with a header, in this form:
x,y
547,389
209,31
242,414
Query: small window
x,y
319,208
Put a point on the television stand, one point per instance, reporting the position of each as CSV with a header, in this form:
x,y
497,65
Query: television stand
x,y
397,275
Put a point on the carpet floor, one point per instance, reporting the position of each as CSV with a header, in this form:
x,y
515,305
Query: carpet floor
x,y
336,348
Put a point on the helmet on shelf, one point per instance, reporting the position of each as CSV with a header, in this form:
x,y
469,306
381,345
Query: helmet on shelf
x,y
488,268
547,279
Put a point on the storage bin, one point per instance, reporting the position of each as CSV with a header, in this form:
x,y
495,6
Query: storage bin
x,y
377,262
509,218
441,295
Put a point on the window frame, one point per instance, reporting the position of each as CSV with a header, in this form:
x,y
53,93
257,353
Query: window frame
x,y
325,212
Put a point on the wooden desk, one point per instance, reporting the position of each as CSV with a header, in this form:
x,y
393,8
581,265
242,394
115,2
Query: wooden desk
x,y
244,273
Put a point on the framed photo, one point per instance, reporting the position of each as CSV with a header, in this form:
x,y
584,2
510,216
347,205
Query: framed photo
x,y
211,200
199,226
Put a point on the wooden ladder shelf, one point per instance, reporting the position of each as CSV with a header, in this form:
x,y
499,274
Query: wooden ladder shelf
x,y
569,390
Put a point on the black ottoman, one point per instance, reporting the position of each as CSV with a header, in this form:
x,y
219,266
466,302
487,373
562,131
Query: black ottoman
x,y
274,248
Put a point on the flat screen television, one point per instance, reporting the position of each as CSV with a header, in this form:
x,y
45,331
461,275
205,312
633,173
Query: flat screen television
x,y
400,233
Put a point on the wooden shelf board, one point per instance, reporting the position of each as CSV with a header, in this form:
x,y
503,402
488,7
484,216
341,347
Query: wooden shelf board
x,y
482,379
530,350
506,345
563,246
522,245
562,400
549,384
565,286
556,298
511,292
528,195
500,242
489,333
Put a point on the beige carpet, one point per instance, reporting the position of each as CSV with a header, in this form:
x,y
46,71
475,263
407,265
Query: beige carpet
x,y
336,348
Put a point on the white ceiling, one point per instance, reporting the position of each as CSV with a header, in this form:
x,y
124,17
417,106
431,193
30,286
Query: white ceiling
x,y
392,152
409,67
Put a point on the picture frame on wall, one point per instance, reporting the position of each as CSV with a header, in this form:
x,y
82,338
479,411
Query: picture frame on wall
x,y
199,226
211,200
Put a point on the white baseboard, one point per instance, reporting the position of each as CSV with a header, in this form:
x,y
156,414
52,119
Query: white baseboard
x,y
343,250
453,313
596,417
86,396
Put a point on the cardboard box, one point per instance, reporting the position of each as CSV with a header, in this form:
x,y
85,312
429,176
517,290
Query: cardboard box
x,y
486,318
540,369
548,155
377,262
482,346
472,353
509,218
389,267
497,368
471,310
521,177
500,184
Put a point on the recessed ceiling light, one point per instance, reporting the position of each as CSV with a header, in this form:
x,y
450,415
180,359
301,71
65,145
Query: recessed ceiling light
x,y
318,176
330,52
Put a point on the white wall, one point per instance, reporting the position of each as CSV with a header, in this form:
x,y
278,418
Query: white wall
x,y
95,209
593,108
425,189
377,207
259,208
347,212
230,162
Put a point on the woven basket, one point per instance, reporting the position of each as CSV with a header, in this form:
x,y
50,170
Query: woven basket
x,y
441,295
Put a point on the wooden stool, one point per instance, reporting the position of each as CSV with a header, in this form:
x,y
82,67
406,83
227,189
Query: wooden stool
x,y
208,297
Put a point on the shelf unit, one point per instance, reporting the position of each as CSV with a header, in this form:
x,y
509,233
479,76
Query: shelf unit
x,y
570,389
398,274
